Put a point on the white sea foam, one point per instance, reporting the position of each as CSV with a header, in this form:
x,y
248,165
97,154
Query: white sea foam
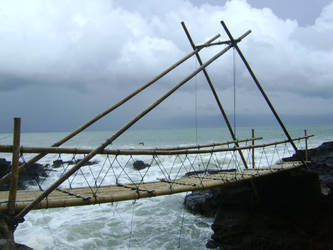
x,y
154,223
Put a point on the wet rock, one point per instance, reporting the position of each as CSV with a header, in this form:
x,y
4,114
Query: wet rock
x,y
59,163
291,213
208,171
211,244
31,175
321,163
7,237
321,157
22,247
203,202
138,165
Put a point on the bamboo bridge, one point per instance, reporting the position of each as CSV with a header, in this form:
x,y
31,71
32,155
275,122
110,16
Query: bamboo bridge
x,y
180,169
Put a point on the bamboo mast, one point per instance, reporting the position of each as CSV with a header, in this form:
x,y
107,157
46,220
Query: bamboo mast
x,y
234,42
115,136
92,121
217,99
15,164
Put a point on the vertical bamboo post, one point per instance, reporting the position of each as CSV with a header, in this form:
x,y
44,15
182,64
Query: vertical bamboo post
x,y
15,164
253,160
306,145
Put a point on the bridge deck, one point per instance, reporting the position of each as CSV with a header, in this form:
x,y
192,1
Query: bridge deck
x,y
114,193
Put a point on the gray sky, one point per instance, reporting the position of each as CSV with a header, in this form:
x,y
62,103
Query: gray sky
x,y
63,62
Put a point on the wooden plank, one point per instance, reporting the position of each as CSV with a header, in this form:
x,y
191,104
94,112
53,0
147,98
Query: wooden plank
x,y
115,193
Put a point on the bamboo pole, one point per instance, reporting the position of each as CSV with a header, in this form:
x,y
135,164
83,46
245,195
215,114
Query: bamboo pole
x,y
115,136
306,146
253,140
157,151
121,102
9,148
217,99
260,88
15,163
210,145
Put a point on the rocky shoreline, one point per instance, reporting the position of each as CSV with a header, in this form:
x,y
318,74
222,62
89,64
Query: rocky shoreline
x,y
33,175
294,209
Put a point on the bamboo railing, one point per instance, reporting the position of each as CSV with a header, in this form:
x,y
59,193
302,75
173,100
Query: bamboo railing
x,y
195,149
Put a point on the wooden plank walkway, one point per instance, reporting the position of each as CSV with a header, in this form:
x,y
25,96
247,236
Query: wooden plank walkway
x,y
114,193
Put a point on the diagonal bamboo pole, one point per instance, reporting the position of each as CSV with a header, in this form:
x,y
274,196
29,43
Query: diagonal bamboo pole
x,y
234,42
92,121
29,207
217,99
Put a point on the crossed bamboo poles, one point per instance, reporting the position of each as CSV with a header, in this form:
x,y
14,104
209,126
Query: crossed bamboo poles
x,y
230,44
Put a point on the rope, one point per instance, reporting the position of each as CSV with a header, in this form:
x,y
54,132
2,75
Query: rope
x,y
181,225
196,106
119,215
234,84
131,230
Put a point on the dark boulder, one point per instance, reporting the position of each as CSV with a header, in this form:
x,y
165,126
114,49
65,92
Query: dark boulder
x,y
208,171
58,163
319,156
7,236
293,209
291,213
29,176
138,165
321,162
5,166
203,202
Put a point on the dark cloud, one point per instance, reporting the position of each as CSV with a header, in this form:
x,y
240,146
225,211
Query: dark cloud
x,y
80,57
13,82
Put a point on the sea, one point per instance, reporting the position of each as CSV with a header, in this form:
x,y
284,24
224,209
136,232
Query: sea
x,y
149,223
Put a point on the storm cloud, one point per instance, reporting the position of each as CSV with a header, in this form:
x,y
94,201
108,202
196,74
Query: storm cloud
x,y
62,62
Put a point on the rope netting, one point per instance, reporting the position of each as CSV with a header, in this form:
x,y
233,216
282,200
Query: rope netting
x,y
132,171
129,174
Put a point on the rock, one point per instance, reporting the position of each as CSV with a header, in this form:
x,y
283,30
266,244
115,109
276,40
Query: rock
x,y
294,209
22,247
5,166
28,176
208,171
321,162
138,165
320,157
59,163
7,236
292,213
202,202
211,244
